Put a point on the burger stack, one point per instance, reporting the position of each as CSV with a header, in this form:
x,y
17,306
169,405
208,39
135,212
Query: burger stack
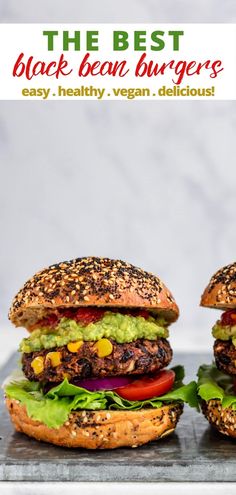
x,y
93,366
217,382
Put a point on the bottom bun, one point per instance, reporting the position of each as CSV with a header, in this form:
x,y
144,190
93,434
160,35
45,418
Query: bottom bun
x,y
100,429
224,420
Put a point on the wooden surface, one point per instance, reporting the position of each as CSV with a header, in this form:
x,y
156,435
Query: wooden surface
x,y
194,453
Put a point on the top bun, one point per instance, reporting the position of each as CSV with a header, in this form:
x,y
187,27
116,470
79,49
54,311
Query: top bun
x,y
91,282
221,290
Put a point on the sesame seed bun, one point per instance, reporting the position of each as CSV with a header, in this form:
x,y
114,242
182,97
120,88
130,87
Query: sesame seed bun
x,y
91,282
224,420
100,429
221,290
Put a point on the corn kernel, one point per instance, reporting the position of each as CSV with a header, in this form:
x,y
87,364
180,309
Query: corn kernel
x,y
37,365
74,346
104,347
55,358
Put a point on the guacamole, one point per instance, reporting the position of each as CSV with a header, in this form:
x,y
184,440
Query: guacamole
x,y
224,332
119,327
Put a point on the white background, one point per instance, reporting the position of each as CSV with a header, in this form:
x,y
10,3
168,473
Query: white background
x,y
116,488
200,42
149,182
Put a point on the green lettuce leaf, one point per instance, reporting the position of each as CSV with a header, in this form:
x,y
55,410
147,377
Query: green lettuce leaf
x,y
213,384
54,407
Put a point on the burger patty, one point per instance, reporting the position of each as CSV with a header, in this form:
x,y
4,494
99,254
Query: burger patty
x,y
225,356
135,358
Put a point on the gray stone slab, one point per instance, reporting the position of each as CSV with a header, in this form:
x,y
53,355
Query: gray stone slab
x,y
194,453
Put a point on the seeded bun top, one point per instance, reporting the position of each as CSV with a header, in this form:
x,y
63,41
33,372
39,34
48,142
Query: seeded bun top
x,y
221,290
91,282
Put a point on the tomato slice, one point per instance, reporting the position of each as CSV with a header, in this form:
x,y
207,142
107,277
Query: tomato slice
x,y
148,387
85,315
228,318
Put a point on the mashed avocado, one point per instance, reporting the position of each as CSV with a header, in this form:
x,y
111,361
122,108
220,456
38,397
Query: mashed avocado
x,y
119,327
224,333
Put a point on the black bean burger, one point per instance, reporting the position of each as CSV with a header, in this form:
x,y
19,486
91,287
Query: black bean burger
x,y
93,364
217,382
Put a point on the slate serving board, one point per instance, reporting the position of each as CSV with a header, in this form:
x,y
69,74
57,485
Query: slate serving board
x,y
194,453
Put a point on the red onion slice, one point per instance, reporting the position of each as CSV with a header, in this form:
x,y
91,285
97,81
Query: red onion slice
x,y
110,383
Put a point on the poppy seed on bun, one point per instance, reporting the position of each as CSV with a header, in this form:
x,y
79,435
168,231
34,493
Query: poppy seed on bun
x,y
220,293
100,429
91,281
